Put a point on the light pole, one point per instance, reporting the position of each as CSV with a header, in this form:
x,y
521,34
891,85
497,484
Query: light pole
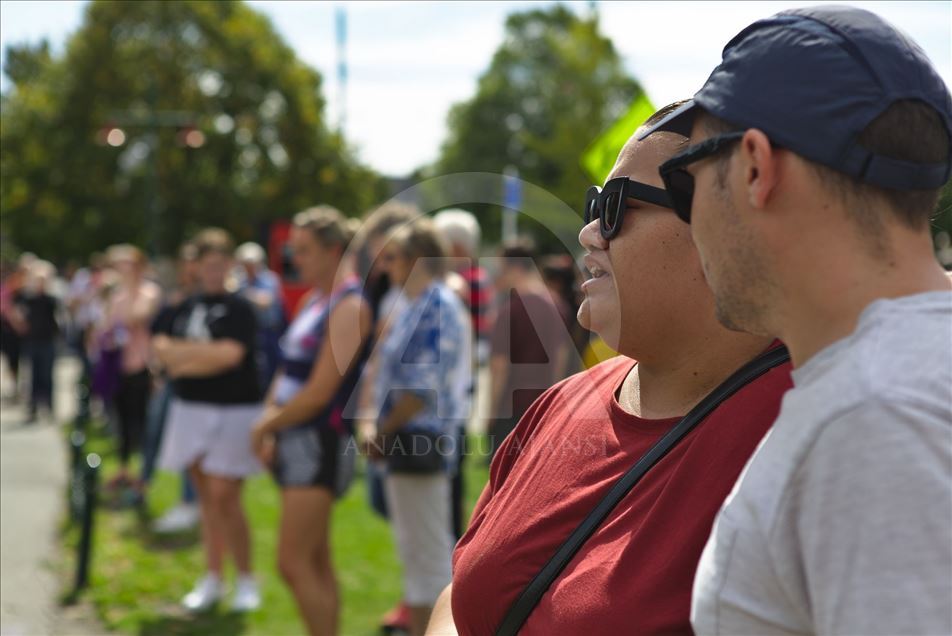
x,y
152,120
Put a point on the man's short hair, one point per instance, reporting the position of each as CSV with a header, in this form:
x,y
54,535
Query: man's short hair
x,y
520,253
213,240
908,130
664,111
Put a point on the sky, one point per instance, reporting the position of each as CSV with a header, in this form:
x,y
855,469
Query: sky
x,y
409,62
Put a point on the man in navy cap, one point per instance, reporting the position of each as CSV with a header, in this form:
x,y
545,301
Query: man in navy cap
x,y
819,148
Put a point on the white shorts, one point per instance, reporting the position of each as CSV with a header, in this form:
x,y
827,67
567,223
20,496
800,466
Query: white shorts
x,y
218,436
419,507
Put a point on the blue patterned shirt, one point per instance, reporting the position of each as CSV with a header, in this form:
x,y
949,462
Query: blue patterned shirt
x,y
420,354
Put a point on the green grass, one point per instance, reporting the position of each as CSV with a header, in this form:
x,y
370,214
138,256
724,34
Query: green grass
x,y
138,577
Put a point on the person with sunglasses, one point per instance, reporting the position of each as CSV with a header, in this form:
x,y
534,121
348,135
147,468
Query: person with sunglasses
x,y
648,300
821,144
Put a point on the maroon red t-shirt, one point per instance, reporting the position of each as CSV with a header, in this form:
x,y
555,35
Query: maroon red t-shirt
x,y
529,332
634,575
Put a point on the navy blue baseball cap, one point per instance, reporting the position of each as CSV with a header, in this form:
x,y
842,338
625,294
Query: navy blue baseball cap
x,y
812,79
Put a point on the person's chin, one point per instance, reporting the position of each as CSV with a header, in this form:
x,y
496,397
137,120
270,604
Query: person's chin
x,y
600,317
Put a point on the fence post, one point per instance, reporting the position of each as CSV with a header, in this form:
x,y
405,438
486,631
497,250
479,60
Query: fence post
x,y
77,440
83,408
90,492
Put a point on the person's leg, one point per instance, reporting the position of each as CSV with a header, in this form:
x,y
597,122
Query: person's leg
x,y
16,354
212,536
156,413
125,412
229,516
375,474
13,348
139,403
79,347
304,558
161,430
189,494
36,383
420,518
46,359
457,486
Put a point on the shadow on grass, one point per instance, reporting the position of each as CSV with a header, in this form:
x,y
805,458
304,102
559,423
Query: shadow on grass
x,y
141,533
212,623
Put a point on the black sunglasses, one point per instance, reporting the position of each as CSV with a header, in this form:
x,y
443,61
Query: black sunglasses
x,y
608,204
679,182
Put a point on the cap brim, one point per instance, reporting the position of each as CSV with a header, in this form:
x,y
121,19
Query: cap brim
x,y
677,121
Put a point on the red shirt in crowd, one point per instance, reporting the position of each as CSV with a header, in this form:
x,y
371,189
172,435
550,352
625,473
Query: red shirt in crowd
x,y
480,299
529,333
634,575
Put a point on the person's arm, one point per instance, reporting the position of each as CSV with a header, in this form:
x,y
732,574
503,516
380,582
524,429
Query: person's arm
x,y
145,306
499,376
460,287
60,317
441,620
15,316
348,329
188,359
273,387
404,410
500,347
260,298
17,320
871,505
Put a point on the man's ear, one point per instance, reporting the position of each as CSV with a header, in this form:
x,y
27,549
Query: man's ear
x,y
761,167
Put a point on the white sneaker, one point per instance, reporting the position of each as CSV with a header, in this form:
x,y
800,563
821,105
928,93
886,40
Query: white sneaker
x,y
247,596
180,518
207,592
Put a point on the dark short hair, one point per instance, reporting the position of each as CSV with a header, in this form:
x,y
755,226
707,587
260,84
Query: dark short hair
x,y
213,240
664,111
908,130
520,252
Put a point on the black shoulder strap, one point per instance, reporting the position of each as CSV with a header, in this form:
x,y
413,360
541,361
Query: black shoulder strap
x,y
520,610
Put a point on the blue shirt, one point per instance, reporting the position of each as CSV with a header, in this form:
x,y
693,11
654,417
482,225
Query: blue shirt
x,y
420,354
272,317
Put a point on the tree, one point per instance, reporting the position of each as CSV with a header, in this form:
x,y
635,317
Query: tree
x,y
554,84
220,124
941,225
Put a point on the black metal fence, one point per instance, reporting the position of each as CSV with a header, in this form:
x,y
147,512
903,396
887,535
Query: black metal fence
x,y
83,488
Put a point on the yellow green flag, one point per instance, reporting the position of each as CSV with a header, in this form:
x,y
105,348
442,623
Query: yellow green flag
x,y
599,157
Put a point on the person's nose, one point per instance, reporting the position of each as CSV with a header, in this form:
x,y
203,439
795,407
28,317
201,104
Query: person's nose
x,y
590,238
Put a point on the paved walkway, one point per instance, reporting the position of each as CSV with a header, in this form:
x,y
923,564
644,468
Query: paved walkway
x,y
33,477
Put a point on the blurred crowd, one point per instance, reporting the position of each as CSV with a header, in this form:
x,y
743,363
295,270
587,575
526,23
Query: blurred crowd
x,y
212,368
769,452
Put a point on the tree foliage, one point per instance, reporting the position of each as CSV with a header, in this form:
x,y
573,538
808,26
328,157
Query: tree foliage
x,y
553,85
158,70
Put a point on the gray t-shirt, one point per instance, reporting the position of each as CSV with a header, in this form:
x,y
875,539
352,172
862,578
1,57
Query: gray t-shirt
x,y
841,523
